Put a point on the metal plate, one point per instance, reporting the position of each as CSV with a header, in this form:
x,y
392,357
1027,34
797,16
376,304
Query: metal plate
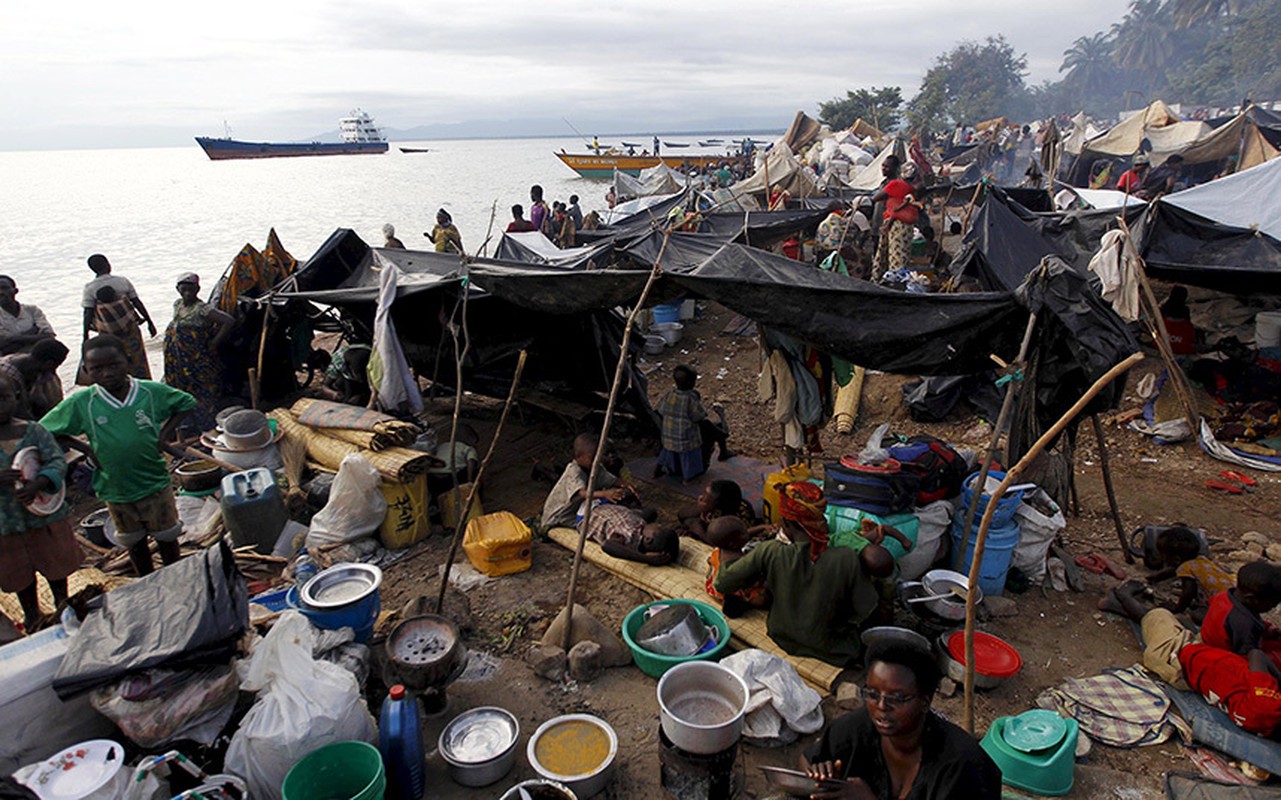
x,y
895,634
796,782
479,735
341,585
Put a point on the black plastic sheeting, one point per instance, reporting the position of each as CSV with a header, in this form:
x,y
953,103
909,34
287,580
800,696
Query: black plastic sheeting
x,y
762,228
925,334
1006,241
932,399
1188,248
186,614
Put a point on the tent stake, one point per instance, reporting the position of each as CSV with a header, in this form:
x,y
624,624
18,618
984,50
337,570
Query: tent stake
x,y
654,272
1107,485
981,539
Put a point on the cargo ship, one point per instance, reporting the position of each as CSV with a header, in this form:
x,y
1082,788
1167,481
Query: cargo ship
x,y
359,136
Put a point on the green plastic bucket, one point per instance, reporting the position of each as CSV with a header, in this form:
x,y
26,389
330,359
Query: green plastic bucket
x,y
655,664
339,771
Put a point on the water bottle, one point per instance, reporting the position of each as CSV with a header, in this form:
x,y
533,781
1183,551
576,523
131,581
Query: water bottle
x,y
400,738
304,568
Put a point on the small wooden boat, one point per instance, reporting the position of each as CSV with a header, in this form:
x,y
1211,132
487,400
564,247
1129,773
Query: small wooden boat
x,y
590,165
415,150
675,144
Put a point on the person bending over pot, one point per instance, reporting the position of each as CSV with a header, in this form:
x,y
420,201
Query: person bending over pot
x,y
895,747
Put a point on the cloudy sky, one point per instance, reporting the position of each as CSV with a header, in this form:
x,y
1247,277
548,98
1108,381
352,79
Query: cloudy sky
x,y
135,73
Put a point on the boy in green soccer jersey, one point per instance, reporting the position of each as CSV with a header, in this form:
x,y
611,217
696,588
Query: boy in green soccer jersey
x,y
127,422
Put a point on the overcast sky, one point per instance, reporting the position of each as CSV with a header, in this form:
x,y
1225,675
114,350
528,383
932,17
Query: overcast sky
x,y
83,74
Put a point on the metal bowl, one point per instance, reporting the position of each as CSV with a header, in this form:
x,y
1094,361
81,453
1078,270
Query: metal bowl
x,y
198,476
892,633
956,670
539,789
941,582
341,585
587,784
480,745
675,630
424,651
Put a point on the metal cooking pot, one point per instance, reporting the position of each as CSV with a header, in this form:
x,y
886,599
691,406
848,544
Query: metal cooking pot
x,y
956,670
701,706
676,631
198,476
588,784
341,585
480,745
941,582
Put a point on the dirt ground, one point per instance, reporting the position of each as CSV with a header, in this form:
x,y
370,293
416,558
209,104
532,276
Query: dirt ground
x,y
1058,635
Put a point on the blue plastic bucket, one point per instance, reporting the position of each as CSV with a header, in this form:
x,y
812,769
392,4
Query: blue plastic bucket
x,y
1005,508
670,312
360,615
997,553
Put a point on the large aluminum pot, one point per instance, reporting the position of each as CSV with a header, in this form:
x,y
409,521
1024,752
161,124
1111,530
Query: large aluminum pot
x,y
701,706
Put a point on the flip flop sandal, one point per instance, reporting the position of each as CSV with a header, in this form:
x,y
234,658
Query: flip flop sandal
x,y
1092,563
1241,478
1224,488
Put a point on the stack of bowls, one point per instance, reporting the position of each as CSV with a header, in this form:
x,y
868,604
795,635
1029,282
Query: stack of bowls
x,y
246,439
343,596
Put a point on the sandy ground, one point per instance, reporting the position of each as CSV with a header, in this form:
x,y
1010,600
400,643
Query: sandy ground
x,y
1058,635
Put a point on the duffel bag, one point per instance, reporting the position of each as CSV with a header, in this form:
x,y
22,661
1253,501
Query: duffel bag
x,y
882,489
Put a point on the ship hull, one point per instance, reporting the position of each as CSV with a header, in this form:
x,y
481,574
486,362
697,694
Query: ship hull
x,y
225,149
603,166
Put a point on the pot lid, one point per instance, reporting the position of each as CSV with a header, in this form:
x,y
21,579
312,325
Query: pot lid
x,y
1031,731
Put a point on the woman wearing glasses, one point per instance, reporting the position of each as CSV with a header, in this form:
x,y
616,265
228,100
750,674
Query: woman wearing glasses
x,y
896,747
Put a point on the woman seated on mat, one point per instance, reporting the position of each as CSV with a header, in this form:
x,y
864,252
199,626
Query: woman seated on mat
x,y
896,746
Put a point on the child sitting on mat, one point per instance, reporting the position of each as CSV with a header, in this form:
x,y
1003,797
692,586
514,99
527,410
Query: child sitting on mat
x,y
565,501
719,499
729,536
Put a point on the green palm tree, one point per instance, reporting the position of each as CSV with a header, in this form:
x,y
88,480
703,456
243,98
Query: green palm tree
x,y
1188,13
1143,41
1088,63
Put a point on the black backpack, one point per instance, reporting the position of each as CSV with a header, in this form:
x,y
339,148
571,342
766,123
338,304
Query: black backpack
x,y
940,468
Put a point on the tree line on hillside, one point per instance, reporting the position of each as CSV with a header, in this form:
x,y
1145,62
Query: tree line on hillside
x,y
1197,52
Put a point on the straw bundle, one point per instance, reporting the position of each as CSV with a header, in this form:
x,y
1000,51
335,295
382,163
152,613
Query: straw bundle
x,y
395,464
848,399
687,580
78,580
365,427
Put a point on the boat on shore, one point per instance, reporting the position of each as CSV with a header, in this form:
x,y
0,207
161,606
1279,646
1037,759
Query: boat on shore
x,y
359,136
590,165
415,149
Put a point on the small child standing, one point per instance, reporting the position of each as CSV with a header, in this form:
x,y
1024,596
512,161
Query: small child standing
x,y
29,542
128,423
682,411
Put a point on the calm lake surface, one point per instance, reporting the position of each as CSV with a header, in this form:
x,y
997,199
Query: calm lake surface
x,y
157,213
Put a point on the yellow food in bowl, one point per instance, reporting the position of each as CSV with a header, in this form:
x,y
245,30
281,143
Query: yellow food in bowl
x,y
573,747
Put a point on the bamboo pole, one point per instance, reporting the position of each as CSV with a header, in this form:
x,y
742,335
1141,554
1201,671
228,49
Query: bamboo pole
x,y
654,272
1010,477
475,484
1107,485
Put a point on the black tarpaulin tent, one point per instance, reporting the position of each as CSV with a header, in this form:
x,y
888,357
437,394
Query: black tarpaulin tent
x,y
1223,235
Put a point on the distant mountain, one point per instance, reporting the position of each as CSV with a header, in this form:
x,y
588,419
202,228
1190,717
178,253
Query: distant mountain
x,y
547,128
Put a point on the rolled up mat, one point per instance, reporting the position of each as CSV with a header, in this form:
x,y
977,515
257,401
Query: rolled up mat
x,y
395,463
848,399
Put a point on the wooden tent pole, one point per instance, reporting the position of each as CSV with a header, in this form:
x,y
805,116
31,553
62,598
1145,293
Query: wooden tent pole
x,y
1107,485
654,272
1011,390
465,508
1010,477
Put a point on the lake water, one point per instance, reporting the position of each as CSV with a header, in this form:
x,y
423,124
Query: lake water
x,y
157,213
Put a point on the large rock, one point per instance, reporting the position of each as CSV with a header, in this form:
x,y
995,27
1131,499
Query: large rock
x,y
547,661
588,629
585,662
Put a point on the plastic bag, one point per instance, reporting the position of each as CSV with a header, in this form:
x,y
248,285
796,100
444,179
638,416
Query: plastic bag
x,y
875,452
1038,533
304,705
355,509
161,705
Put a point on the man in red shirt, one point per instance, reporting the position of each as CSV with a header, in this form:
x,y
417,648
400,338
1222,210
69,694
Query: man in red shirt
x,y
1132,179
519,224
1243,686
